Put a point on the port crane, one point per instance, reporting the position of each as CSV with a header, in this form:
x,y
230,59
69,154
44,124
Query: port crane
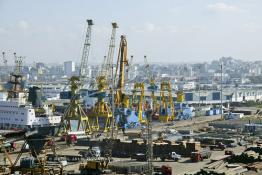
x,y
85,52
102,110
166,103
138,100
121,99
152,84
74,111
108,64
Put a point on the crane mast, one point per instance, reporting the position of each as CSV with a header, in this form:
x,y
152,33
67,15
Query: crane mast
x,y
86,50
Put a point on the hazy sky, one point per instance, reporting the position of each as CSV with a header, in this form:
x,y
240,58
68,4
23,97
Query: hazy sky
x,y
165,30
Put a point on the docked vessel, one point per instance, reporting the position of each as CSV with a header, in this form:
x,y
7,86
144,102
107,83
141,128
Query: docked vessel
x,y
17,113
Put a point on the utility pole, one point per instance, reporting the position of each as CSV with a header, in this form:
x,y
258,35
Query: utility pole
x,y
149,142
199,86
221,96
113,103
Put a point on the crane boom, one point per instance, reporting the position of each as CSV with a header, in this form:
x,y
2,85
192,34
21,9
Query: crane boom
x,y
111,51
148,70
122,61
86,50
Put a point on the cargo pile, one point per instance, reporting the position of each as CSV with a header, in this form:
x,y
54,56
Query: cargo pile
x,y
246,157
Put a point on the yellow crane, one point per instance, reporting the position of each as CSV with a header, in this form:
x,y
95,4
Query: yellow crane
x,y
121,99
166,103
102,110
139,91
152,84
180,96
74,111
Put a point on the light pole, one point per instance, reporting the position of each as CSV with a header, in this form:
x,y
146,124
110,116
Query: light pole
x,y
113,104
221,93
199,86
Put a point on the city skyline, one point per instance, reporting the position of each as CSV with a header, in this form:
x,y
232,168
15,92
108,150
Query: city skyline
x,y
173,31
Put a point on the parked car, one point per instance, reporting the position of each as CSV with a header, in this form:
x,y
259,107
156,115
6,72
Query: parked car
x,y
171,156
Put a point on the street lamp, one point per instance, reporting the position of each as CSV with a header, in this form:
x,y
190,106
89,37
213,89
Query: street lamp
x,y
221,93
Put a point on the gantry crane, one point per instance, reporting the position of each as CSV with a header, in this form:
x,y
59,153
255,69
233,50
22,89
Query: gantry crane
x,y
152,84
74,111
166,103
138,100
86,50
101,110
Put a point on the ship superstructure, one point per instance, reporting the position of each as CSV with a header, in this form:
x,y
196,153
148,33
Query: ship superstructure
x,y
16,112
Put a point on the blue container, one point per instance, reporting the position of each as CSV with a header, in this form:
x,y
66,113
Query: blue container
x,y
65,95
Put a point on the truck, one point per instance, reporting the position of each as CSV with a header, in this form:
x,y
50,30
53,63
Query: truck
x,y
93,152
200,155
95,167
219,146
163,170
170,156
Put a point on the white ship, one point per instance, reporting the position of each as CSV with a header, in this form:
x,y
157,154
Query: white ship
x,y
16,112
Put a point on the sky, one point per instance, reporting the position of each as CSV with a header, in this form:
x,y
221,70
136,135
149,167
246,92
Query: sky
x,y
167,31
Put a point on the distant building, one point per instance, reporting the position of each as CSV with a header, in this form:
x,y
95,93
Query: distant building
x,y
69,68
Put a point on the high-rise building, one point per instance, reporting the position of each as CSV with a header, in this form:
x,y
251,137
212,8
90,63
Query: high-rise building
x,y
69,68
